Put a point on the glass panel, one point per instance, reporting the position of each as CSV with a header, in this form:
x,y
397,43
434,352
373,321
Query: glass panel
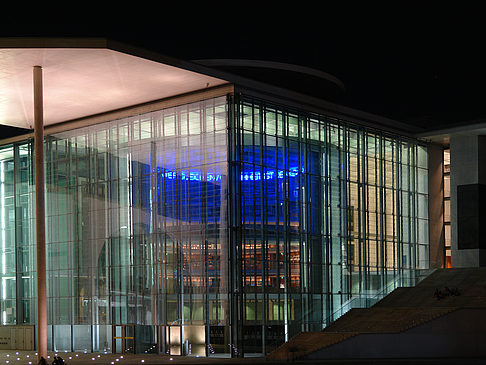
x,y
129,340
326,211
447,210
62,338
81,338
138,217
447,186
447,235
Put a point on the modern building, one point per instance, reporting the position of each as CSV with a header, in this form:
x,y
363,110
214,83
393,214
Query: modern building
x,y
190,209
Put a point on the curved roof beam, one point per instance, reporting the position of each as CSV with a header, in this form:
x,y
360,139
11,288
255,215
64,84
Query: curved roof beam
x,y
272,65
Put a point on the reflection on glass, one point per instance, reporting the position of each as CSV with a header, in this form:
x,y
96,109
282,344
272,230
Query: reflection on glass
x,y
184,231
326,214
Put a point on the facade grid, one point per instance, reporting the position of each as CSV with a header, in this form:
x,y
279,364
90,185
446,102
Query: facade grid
x,y
222,226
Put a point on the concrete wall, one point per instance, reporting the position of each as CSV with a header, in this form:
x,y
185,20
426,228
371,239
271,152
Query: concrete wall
x,y
459,334
468,167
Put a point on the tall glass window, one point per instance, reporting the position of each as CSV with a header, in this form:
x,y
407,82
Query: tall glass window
x,y
329,212
447,207
17,238
222,226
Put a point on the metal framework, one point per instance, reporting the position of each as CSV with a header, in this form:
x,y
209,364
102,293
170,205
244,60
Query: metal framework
x,y
224,225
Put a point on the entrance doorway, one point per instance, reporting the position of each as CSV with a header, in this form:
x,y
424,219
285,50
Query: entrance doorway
x,y
123,339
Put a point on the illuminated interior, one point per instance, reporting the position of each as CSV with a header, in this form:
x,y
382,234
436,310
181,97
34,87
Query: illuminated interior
x,y
447,207
225,225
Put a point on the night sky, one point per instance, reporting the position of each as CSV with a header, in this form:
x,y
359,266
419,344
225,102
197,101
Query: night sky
x,y
423,66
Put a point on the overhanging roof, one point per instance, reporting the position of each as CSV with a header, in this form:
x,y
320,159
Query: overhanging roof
x,y
83,77
93,76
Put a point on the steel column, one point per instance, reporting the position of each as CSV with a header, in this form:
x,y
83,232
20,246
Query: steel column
x,y
40,214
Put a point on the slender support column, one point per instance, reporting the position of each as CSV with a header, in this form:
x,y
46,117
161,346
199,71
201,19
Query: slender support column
x,y
40,214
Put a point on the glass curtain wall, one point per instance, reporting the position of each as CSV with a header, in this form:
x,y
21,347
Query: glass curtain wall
x,y
17,235
327,212
136,231
223,226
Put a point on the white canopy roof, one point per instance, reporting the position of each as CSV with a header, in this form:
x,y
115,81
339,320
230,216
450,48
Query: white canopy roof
x,y
86,77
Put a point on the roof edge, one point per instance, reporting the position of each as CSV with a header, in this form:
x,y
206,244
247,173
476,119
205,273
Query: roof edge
x,y
321,106
468,126
53,42
109,44
242,83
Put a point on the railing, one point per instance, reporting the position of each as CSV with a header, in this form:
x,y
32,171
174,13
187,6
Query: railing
x,y
370,298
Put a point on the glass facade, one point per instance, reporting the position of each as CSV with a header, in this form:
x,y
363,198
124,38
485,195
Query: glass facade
x,y
324,212
222,226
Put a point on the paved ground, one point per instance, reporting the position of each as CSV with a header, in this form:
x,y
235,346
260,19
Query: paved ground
x,y
29,358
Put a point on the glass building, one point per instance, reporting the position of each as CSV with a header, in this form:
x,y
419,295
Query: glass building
x,y
224,225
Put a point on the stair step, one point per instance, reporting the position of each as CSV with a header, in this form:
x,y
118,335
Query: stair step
x,y
401,310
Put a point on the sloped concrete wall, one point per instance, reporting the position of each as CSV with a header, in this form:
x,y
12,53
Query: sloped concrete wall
x,y
461,333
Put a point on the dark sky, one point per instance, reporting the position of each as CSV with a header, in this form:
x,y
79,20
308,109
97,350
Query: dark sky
x,y
424,66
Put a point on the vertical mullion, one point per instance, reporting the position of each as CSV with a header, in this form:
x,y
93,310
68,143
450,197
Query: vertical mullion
x,y
263,236
382,212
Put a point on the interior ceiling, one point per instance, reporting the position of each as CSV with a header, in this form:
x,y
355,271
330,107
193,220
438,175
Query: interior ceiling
x,y
82,82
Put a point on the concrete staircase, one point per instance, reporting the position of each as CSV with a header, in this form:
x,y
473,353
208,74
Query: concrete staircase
x,y
398,313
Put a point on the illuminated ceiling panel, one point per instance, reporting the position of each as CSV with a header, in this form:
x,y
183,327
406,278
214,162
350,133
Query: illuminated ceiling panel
x,y
80,82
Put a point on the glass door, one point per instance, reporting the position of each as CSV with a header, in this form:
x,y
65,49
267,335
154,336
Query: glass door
x,y
129,339
123,339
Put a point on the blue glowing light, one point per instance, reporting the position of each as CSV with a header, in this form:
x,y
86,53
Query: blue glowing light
x,y
269,174
245,176
191,176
